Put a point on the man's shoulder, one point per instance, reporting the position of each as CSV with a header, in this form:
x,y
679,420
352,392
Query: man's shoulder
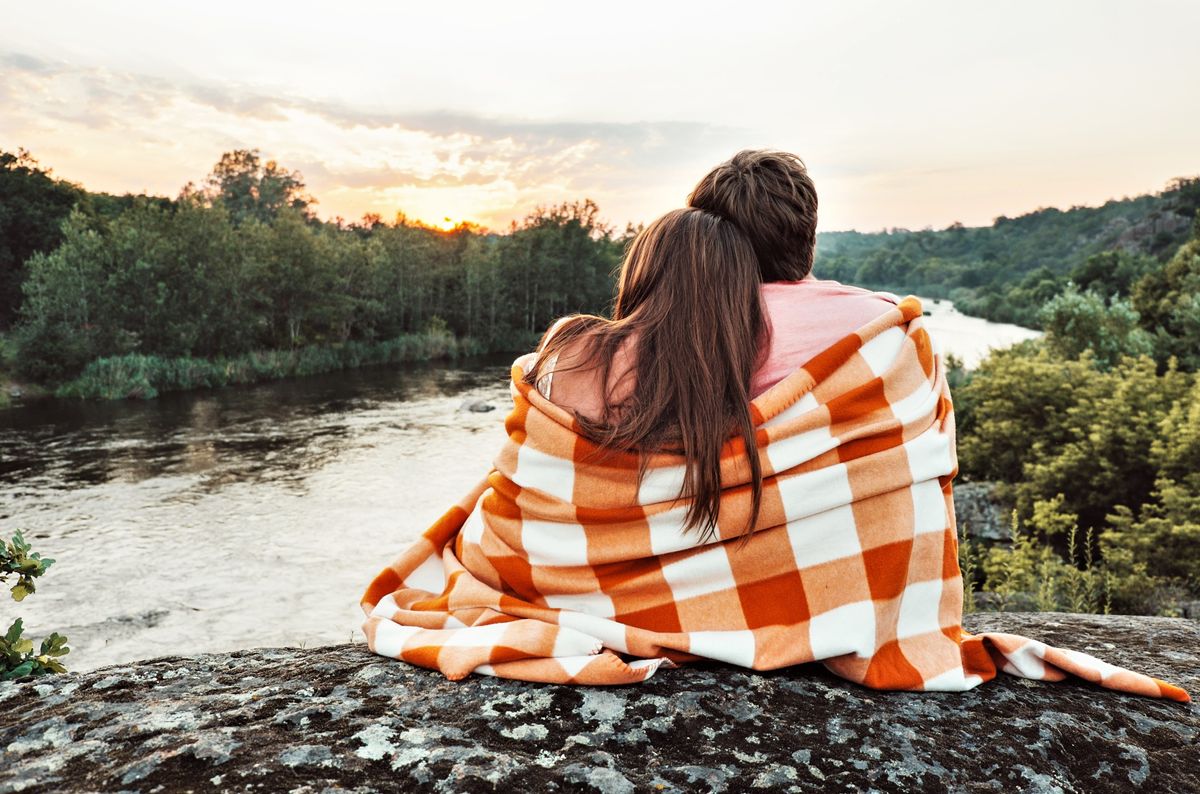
x,y
829,288
852,289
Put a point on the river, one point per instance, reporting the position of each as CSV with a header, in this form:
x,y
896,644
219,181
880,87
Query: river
x,y
256,515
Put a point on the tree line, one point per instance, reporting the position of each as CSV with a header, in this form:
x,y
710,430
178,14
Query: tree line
x,y
1005,272
241,263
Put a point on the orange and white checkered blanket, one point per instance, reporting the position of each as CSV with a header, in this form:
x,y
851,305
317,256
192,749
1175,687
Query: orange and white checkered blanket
x,y
560,567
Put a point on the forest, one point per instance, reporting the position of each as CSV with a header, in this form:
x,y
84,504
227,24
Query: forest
x,y
1005,272
1091,433
240,265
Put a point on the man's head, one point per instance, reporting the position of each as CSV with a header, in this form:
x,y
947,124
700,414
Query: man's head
x,y
771,198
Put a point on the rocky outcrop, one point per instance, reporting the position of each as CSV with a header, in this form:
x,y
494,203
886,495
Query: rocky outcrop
x,y
978,510
341,719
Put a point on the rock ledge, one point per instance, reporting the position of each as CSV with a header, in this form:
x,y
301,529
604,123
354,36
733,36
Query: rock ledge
x,y
339,718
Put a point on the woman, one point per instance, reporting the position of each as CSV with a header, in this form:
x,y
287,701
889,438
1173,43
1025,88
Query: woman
x,y
672,369
658,511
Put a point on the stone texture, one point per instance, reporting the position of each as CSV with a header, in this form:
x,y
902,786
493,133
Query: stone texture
x,y
342,719
980,512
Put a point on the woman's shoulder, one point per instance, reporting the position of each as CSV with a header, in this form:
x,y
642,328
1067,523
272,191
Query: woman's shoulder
x,y
570,376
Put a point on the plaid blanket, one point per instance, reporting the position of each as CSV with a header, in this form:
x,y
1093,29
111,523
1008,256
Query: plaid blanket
x,y
561,567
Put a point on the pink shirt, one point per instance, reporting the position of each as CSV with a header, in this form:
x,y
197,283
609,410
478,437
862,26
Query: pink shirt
x,y
809,316
806,318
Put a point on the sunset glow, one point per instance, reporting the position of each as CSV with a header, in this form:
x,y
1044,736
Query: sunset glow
x,y
908,115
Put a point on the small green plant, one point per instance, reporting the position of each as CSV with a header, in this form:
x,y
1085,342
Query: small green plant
x,y
1031,571
17,657
16,559
968,564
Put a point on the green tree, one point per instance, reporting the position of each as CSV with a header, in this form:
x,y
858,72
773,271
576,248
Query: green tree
x,y
1076,321
1013,410
33,205
1168,301
1112,272
250,188
66,303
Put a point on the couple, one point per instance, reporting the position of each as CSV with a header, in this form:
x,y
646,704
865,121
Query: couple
x,y
743,464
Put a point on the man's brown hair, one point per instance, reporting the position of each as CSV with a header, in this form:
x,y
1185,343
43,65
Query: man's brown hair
x,y
771,198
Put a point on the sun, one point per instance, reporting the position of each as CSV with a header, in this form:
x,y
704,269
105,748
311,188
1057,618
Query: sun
x,y
447,224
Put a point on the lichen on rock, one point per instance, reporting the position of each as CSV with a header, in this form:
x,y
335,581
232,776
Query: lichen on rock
x,y
340,718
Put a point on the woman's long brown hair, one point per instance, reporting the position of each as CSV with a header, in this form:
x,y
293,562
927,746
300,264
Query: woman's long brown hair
x,y
688,299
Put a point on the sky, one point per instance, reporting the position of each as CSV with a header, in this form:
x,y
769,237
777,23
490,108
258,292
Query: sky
x,y
907,114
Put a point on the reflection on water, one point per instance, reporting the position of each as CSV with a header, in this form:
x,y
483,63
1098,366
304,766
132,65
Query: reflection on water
x,y
244,516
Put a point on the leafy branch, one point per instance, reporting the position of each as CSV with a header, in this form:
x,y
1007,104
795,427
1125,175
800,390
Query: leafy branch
x,y
15,558
17,657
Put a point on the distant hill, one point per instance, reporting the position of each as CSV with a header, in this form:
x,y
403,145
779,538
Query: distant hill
x,y
1007,270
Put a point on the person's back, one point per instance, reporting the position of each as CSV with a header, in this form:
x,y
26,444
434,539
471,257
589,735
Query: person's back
x,y
770,197
805,318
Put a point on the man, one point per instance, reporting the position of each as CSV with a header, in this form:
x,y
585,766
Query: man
x,y
771,197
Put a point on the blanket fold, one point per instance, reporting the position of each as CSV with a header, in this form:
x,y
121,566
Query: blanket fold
x,y
560,566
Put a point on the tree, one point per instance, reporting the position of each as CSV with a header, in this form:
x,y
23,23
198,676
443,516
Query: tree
x,y
250,188
1013,409
65,301
1112,272
33,206
1077,321
1106,459
1168,301
291,276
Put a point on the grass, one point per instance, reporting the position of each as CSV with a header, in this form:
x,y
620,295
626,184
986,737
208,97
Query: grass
x,y
146,376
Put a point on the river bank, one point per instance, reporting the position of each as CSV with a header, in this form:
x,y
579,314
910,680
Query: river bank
x,y
137,376
134,376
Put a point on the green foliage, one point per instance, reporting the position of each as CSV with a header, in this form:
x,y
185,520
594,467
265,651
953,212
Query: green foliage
x,y
1113,272
1163,534
1029,569
1111,449
1076,321
222,273
1006,271
17,560
1112,456
968,564
17,657
18,660
33,205
135,375
1168,302
251,189
1013,407
1108,434
956,371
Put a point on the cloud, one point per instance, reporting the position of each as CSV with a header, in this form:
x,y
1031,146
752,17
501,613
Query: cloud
x,y
355,159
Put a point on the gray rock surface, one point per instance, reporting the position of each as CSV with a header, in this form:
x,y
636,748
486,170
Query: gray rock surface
x,y
979,511
342,719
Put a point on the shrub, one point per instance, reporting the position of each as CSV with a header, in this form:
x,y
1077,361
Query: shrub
x,y
136,375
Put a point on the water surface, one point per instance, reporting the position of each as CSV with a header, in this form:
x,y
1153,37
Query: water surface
x,y
244,516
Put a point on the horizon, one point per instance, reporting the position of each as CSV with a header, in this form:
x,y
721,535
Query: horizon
x,y
436,226
906,119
